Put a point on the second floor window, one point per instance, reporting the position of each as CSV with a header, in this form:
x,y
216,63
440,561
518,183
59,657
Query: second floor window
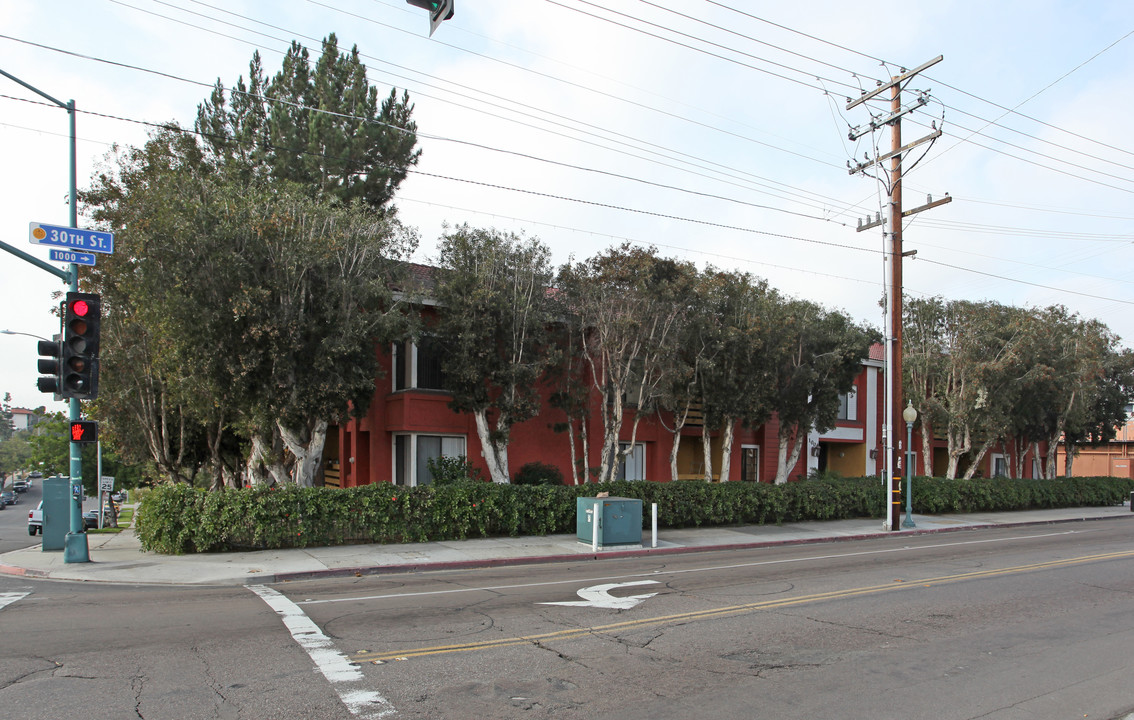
x,y
848,405
418,365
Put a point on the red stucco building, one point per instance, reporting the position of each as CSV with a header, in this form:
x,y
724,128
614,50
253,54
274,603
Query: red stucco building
x,y
409,421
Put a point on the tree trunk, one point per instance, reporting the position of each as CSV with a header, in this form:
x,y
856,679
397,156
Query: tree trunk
x,y
791,443
957,448
979,456
707,453
309,455
571,443
728,431
213,437
673,453
264,466
495,453
926,449
1068,460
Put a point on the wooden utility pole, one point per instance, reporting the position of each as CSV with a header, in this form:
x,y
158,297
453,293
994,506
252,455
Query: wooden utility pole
x,y
894,254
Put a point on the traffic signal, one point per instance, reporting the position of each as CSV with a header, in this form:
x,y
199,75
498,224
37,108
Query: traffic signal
x,y
79,375
83,431
439,10
49,366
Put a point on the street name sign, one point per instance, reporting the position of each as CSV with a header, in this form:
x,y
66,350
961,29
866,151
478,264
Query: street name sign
x,y
69,237
70,256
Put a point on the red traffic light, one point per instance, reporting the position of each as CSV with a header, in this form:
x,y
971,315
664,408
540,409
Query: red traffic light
x,y
80,308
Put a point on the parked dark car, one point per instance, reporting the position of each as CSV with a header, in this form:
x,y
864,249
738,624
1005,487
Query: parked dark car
x,y
90,519
21,486
8,497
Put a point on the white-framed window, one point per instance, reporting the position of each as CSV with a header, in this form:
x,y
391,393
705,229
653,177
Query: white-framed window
x,y
633,465
412,453
417,364
750,463
848,404
999,465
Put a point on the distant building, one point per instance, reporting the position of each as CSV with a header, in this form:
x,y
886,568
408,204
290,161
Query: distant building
x,y
23,419
1114,459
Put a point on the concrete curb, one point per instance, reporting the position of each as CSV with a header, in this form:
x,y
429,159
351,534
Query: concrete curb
x,y
425,566
88,572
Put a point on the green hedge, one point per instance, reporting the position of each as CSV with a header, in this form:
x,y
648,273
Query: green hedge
x,y
178,519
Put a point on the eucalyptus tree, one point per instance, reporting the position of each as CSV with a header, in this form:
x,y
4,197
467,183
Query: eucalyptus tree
x,y
146,195
251,307
925,366
737,376
1105,412
1080,378
1001,371
623,304
823,352
678,396
497,306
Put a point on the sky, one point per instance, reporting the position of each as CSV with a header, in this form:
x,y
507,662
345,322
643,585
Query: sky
x,y
719,136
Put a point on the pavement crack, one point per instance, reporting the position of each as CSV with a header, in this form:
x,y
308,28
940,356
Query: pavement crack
x,y
860,628
561,656
137,684
31,673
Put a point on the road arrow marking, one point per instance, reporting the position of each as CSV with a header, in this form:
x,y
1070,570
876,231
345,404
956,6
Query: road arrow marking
x,y
599,596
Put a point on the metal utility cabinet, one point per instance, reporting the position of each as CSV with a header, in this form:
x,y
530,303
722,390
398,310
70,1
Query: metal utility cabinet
x,y
619,521
56,512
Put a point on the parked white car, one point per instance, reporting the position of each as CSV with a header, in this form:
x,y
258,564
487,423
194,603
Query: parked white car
x,y
35,520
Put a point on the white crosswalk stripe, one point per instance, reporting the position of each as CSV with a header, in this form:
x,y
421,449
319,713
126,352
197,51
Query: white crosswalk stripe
x,y
7,598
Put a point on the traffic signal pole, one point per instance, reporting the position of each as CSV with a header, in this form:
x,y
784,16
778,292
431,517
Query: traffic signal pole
x,y
75,548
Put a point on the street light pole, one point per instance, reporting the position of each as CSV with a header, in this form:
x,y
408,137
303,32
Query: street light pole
x,y
16,332
910,416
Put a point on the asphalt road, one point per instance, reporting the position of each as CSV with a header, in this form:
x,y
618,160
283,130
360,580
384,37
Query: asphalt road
x,y
1003,624
14,518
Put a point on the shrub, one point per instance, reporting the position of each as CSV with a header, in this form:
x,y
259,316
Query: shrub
x,y
177,519
538,473
449,470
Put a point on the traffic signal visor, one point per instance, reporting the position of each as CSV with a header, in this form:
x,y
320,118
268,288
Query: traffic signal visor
x,y
50,353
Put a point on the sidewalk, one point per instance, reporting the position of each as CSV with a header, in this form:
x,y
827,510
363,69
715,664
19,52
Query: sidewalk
x,y
118,558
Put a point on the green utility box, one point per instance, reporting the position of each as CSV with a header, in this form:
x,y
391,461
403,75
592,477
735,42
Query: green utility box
x,y
619,521
56,512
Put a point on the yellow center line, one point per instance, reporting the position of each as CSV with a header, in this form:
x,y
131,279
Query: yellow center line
x,y
732,609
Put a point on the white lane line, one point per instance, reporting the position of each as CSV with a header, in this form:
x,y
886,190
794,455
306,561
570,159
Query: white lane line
x,y
344,676
8,598
713,568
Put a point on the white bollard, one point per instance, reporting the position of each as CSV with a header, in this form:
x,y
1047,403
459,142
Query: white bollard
x,y
594,528
654,524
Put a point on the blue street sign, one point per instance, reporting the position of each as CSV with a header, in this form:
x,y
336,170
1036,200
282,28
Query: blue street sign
x,y
76,238
70,256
